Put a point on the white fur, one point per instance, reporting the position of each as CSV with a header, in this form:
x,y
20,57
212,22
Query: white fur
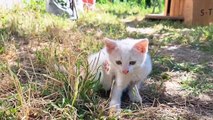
x,y
124,52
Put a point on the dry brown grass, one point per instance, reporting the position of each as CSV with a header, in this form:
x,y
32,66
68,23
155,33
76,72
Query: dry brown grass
x,y
43,68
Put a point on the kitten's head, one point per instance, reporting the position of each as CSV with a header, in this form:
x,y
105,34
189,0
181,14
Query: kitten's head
x,y
126,55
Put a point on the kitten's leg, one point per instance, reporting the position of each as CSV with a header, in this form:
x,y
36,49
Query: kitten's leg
x,y
106,81
116,98
107,76
116,94
134,93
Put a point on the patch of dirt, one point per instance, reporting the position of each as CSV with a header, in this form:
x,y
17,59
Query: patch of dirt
x,y
187,54
175,96
148,31
7,86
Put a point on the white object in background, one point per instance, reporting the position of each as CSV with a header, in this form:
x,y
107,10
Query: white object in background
x,y
80,6
9,4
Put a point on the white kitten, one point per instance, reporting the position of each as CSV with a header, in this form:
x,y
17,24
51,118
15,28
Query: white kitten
x,y
127,62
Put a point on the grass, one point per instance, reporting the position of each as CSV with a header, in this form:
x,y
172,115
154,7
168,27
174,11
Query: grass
x,y
197,87
44,73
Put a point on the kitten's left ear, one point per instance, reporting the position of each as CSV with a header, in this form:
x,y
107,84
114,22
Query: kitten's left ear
x,y
142,45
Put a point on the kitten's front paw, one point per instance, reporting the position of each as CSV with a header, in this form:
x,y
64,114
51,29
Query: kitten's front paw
x,y
113,111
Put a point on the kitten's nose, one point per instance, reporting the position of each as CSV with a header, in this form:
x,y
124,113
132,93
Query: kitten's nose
x,y
125,71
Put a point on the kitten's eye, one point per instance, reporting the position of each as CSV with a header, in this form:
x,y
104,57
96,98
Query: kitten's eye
x,y
118,62
132,62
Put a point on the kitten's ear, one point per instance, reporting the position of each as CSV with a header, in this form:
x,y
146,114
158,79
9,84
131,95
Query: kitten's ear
x,y
142,46
110,45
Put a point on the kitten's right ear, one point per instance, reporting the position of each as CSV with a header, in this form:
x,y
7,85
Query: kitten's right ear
x,y
110,45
